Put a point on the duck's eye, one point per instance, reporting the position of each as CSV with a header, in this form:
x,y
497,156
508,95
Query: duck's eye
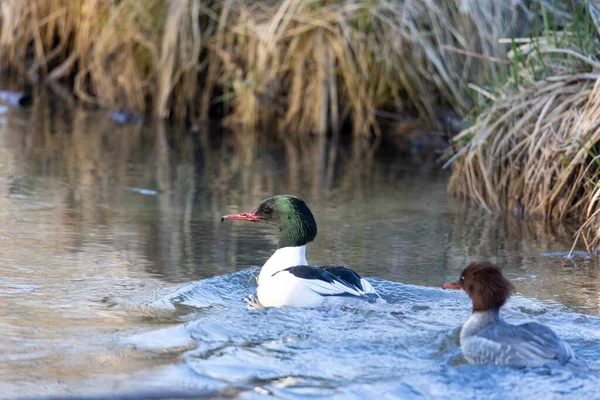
x,y
462,278
267,209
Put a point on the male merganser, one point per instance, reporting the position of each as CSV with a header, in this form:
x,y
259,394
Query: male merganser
x,y
286,279
487,339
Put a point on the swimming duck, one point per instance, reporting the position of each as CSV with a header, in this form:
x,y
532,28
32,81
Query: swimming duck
x,y
286,279
487,339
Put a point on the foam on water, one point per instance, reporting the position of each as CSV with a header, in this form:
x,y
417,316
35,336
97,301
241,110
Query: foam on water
x,y
405,347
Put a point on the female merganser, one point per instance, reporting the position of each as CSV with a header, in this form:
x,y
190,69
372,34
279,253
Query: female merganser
x,y
286,279
487,339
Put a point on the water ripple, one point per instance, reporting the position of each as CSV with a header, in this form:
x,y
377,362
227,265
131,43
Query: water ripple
x,y
406,346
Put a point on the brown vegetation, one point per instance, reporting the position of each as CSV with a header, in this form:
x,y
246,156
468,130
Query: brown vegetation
x,y
310,66
535,149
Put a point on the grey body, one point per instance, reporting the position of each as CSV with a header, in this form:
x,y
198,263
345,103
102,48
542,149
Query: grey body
x,y
487,339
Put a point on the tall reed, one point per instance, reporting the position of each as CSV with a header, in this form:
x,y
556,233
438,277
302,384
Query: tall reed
x,y
138,54
314,65
308,66
534,149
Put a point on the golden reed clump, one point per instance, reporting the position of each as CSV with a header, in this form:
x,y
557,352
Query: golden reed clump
x,y
137,54
536,149
308,66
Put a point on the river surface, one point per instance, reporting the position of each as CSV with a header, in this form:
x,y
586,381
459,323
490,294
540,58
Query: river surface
x,y
117,276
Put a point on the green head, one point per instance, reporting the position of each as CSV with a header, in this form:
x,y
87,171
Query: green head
x,y
289,213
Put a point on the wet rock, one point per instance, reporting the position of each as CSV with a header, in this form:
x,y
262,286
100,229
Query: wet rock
x,y
126,117
17,99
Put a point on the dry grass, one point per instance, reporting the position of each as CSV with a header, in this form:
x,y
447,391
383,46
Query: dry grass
x,y
535,149
311,66
136,54
322,63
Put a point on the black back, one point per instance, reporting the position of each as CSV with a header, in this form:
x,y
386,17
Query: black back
x,y
329,274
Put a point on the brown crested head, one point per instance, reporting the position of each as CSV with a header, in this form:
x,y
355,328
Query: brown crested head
x,y
485,285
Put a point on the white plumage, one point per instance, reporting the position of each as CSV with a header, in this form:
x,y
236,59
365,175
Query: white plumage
x,y
279,284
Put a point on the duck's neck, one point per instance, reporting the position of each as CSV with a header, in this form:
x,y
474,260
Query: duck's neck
x,y
283,258
480,320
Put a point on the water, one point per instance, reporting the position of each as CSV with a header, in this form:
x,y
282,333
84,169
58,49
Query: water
x,y
118,276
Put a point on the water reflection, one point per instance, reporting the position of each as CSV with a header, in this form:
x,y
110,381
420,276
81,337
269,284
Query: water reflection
x,y
91,209
157,191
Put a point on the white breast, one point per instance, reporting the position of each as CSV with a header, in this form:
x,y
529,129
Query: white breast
x,y
283,258
277,289
284,289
